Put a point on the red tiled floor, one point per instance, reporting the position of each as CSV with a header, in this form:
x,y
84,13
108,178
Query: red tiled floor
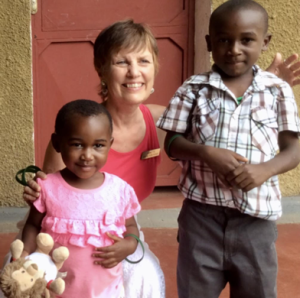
x,y
5,241
162,198
164,245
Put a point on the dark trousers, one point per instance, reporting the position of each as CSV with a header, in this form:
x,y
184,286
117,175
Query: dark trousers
x,y
219,245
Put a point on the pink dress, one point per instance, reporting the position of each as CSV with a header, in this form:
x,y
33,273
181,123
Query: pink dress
x,y
80,219
139,173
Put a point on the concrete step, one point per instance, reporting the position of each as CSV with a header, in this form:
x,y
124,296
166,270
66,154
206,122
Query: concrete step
x,y
159,210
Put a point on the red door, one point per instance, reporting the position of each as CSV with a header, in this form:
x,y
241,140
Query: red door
x,y
63,33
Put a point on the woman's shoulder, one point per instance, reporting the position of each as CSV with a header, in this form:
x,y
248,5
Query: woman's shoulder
x,y
155,110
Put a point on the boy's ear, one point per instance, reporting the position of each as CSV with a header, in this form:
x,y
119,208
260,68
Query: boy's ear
x,y
267,40
55,142
208,43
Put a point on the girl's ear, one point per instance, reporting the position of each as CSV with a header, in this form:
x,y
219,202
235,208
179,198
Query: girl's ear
x,y
208,43
111,141
55,142
267,40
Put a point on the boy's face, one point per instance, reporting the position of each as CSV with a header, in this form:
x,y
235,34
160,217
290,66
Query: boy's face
x,y
236,41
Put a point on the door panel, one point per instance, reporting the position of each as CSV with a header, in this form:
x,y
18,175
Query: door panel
x,y
91,14
63,35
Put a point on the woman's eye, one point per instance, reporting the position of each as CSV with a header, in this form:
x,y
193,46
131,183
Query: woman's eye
x,y
121,62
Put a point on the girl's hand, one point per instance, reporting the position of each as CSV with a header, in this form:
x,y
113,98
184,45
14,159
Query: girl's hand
x,y
111,256
32,191
288,70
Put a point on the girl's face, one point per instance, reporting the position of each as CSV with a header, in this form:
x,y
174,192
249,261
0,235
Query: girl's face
x,y
85,145
131,75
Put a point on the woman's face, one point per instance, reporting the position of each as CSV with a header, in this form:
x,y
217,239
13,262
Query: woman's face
x,y
130,76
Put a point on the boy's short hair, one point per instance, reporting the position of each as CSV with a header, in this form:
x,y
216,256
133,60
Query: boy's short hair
x,y
81,107
236,5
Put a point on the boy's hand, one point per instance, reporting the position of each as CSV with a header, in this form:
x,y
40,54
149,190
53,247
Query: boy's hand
x,y
248,176
111,256
223,161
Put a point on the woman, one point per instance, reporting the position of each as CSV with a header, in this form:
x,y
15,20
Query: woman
x,y
125,58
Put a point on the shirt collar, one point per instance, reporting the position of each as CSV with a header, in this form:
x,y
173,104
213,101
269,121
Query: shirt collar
x,y
259,82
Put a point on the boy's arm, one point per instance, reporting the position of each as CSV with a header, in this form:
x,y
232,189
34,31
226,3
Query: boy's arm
x,y
249,176
31,229
221,161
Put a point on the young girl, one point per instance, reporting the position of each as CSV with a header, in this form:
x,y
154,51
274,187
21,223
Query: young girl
x,y
83,208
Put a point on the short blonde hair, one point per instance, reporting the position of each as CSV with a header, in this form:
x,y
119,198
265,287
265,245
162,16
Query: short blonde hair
x,y
123,35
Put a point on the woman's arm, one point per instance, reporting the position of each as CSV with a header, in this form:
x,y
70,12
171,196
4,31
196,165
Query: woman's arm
x,y
52,163
156,111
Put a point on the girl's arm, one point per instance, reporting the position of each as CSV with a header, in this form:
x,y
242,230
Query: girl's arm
x,y
111,256
31,229
131,228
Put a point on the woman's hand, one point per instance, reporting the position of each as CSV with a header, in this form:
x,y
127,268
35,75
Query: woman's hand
x,y
111,256
32,191
288,70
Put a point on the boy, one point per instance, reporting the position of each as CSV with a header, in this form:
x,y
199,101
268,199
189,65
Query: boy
x,y
224,126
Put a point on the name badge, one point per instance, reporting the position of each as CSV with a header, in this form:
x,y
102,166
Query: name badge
x,y
150,154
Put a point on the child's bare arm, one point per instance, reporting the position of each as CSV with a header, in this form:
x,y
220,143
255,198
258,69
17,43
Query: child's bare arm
x,y
249,176
112,255
221,161
31,229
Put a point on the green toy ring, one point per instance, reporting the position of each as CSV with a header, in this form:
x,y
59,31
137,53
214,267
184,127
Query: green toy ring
x,y
29,169
141,243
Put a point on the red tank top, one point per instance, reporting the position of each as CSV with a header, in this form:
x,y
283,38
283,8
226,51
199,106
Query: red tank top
x,y
139,173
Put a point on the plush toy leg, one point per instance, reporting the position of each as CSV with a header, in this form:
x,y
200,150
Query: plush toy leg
x,y
57,286
47,294
59,255
16,249
44,243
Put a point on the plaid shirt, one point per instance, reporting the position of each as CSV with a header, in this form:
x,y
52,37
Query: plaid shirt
x,y
207,112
